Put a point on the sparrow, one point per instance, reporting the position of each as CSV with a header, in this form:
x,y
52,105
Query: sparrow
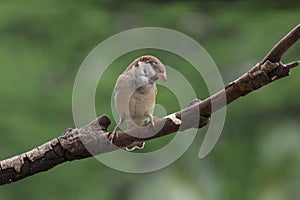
x,y
135,93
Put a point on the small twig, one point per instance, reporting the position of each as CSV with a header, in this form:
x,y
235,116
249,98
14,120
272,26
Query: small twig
x,y
292,64
283,45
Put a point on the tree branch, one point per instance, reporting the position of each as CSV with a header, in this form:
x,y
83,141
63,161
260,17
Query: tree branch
x,y
72,144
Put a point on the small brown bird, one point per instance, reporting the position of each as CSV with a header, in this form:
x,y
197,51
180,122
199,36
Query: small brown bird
x,y
135,92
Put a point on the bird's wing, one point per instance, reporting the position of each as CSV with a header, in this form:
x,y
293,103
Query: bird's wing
x,y
153,105
123,91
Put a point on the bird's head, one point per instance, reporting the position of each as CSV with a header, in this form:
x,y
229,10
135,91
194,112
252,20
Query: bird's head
x,y
149,67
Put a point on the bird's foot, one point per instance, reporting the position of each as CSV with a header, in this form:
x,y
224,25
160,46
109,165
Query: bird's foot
x,y
113,135
152,120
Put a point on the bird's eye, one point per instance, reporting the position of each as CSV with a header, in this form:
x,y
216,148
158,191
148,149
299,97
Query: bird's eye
x,y
155,66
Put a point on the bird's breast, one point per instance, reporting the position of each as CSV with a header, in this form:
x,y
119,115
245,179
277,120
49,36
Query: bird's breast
x,y
134,104
142,102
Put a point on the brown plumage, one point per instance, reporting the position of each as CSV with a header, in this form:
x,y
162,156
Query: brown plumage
x,y
135,93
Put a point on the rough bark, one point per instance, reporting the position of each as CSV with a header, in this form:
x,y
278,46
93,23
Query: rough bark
x,y
72,143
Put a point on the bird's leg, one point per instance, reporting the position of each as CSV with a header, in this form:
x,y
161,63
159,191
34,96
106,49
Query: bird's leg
x,y
115,131
152,119
113,134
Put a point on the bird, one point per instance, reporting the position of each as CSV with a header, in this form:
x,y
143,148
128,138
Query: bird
x,y
135,92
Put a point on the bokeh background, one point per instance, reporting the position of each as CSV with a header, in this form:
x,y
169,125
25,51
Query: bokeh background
x,y
44,43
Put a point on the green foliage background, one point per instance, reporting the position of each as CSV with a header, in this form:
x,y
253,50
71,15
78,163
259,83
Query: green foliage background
x,y
43,44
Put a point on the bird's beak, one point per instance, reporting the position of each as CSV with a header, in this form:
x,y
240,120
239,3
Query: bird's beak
x,y
162,76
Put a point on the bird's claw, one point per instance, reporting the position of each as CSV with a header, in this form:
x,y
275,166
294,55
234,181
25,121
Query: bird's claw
x,y
152,120
113,135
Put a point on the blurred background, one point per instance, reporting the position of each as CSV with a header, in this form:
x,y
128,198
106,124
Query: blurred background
x,y
44,43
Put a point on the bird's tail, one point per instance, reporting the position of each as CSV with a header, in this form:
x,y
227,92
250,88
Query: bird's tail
x,y
138,145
